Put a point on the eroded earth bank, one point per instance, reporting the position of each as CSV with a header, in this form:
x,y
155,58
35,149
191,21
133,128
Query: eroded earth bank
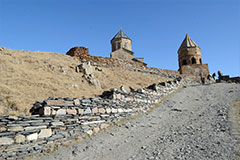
x,y
194,123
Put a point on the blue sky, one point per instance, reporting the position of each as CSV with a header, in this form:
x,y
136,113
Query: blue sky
x,y
156,27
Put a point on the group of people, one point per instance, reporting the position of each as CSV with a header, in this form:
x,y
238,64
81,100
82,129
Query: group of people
x,y
209,77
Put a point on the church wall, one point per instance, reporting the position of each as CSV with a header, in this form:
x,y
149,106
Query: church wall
x,y
121,54
195,69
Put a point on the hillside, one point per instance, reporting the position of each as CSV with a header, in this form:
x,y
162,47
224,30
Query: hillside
x,y
26,77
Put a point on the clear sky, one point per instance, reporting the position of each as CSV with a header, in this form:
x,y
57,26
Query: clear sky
x,y
156,27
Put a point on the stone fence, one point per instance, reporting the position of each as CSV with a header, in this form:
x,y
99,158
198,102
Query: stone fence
x,y
59,121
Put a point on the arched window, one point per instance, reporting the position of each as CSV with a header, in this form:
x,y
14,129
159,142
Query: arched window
x,y
184,62
118,45
193,60
200,60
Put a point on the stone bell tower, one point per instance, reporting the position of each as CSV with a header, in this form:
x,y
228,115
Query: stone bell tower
x,y
121,46
190,58
189,52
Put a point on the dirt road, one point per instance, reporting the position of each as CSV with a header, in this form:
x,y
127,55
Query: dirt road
x,y
192,124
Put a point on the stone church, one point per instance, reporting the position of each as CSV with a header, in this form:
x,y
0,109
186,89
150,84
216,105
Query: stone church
x,y
190,58
122,48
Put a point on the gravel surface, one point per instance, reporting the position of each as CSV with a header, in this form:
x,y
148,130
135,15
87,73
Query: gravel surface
x,y
191,124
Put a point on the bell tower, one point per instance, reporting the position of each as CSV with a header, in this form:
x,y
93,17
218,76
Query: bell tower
x,y
190,58
189,52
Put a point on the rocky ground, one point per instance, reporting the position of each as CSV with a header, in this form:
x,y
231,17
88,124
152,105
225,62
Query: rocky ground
x,y
194,124
27,76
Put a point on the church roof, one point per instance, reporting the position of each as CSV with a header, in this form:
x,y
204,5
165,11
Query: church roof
x,y
188,43
120,34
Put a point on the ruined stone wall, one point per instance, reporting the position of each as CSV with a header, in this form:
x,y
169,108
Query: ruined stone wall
x,y
59,121
136,66
79,52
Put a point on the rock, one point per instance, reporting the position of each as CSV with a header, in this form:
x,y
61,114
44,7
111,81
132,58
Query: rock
x,y
76,102
72,111
86,100
117,96
12,118
54,112
44,133
75,85
80,111
33,136
34,127
6,141
123,89
140,90
162,84
108,110
55,102
153,87
176,109
114,110
95,82
98,69
95,110
92,122
68,101
19,138
87,69
2,129
101,110
46,111
57,124
104,126
120,110
61,112
90,132
87,111
15,129
96,130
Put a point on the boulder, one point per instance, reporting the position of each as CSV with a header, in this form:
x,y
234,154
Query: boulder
x,y
33,136
19,138
6,141
44,133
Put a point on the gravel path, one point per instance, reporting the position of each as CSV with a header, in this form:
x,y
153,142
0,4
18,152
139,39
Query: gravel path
x,y
191,124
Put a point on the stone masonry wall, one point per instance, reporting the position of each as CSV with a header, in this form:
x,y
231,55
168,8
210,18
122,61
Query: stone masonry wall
x,y
195,69
62,120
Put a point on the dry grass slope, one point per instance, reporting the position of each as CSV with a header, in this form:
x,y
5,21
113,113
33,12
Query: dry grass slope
x,y
29,76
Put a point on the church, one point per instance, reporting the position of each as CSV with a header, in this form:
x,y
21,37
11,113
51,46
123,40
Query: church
x,y
122,48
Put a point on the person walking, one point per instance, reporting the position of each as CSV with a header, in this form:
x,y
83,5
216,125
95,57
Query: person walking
x,y
214,75
202,79
220,75
209,77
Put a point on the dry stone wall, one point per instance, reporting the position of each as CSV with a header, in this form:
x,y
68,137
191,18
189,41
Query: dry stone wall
x,y
61,120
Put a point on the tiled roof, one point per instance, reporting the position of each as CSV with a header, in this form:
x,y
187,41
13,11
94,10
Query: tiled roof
x,y
188,43
120,34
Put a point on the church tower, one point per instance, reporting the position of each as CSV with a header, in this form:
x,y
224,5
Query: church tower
x,y
190,58
189,52
121,40
121,46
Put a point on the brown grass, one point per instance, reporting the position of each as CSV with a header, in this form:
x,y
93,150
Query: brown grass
x,y
26,77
